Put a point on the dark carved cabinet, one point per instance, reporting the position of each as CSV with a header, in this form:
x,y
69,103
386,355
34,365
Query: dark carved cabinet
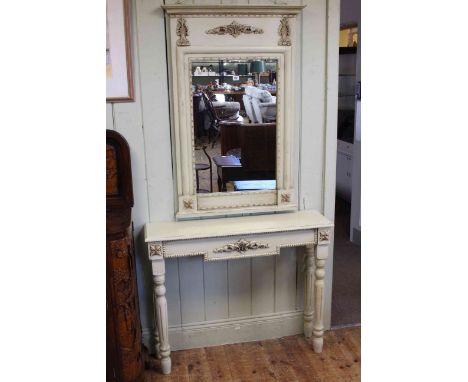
x,y
123,340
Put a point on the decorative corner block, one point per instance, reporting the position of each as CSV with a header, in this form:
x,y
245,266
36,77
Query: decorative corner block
x,y
155,249
285,197
187,203
324,237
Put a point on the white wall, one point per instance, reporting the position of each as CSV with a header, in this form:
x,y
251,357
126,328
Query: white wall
x,y
199,292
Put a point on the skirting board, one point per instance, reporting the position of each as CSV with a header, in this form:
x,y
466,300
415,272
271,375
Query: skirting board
x,y
229,331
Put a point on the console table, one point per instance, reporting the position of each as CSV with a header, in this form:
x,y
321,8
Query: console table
x,y
238,238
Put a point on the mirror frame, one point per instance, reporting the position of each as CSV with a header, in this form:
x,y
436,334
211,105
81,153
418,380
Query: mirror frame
x,y
189,39
225,203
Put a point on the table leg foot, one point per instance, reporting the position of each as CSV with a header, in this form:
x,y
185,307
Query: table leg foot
x,y
166,365
317,343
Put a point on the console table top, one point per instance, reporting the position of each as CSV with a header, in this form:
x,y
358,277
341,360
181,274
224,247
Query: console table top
x,y
182,230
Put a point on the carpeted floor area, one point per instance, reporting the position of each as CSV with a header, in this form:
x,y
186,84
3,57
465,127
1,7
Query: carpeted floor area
x,y
346,298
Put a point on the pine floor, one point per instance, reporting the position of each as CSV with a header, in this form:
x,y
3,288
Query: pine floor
x,y
284,359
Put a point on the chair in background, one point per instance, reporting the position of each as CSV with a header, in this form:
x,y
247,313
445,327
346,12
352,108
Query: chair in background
x,y
202,166
259,105
218,113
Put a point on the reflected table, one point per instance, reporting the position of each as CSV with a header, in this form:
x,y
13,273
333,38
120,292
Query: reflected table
x,y
228,168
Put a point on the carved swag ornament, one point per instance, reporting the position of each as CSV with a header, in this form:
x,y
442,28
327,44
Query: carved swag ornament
x,y
240,245
235,29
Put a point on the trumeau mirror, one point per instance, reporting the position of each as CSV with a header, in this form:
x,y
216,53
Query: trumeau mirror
x,y
233,107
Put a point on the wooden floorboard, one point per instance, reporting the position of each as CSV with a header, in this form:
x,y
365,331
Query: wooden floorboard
x,y
286,359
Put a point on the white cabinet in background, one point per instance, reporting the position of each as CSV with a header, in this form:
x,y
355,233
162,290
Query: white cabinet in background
x,y
344,165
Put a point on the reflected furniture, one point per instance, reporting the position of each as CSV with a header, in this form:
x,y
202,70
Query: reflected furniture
x,y
201,166
249,185
124,358
257,144
228,168
241,238
219,113
259,104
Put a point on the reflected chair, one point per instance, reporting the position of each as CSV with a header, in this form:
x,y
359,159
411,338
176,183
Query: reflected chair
x,y
219,112
201,166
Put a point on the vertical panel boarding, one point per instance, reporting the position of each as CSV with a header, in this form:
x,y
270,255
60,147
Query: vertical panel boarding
x,y
313,104
109,117
263,285
155,108
240,299
285,299
192,297
300,251
216,290
172,292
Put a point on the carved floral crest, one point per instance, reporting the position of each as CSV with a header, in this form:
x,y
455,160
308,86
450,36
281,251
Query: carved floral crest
x,y
284,32
182,32
235,29
240,245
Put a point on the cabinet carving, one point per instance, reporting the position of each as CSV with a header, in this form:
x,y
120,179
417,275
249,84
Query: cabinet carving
x,y
123,340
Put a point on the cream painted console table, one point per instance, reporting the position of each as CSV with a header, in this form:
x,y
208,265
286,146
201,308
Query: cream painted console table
x,y
238,238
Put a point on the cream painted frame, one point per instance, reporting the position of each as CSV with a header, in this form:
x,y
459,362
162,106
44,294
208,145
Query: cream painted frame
x,y
192,204
187,35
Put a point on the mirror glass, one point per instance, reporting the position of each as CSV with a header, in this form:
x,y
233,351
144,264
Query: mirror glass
x,y
234,124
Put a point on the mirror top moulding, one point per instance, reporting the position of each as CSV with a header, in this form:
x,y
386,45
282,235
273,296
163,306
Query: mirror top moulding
x,y
240,9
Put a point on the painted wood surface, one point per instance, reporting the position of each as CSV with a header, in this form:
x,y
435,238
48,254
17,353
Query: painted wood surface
x,y
145,124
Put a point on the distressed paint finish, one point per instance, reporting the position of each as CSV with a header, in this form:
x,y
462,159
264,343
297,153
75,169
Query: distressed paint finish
x,y
195,239
145,124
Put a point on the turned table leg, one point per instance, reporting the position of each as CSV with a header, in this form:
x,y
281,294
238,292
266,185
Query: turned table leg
x,y
308,290
160,306
321,255
157,343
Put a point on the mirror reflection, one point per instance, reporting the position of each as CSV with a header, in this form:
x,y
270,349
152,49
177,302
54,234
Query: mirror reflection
x,y
234,122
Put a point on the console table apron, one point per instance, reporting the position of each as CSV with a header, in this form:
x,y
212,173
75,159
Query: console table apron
x,y
238,238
